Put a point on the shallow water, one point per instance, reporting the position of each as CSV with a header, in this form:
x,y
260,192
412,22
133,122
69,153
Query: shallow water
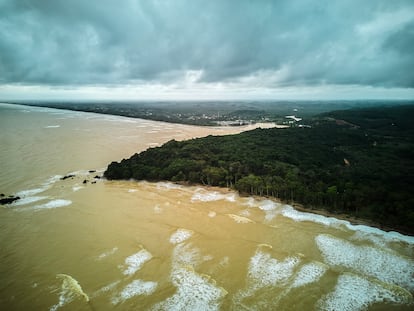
x,y
158,246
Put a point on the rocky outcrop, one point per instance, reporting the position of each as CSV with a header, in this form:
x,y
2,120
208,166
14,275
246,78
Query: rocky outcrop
x,y
67,176
8,200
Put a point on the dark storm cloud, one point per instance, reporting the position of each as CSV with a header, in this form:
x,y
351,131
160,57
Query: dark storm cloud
x,y
269,43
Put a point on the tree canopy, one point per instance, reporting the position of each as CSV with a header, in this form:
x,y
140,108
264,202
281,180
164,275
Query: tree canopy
x,y
358,161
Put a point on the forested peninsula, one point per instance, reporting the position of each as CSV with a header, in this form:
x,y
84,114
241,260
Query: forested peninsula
x,y
359,162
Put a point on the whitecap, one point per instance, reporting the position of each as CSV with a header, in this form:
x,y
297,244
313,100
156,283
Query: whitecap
x,y
265,271
77,188
372,238
52,180
367,260
353,293
212,214
136,261
45,186
240,219
268,205
31,192
245,213
271,208
186,255
70,290
52,204
51,126
289,212
107,253
230,197
180,235
374,233
28,200
132,190
309,273
135,288
168,185
80,172
210,196
105,289
251,202
194,292
392,236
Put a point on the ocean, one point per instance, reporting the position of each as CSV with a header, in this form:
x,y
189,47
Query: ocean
x,y
84,243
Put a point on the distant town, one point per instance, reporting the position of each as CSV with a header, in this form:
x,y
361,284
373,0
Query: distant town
x,y
215,113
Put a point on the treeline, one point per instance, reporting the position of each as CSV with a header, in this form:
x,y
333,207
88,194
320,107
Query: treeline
x,y
340,166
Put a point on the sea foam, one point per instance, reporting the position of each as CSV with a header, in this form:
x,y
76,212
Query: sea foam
x,y
289,212
267,271
376,234
31,192
309,273
180,235
194,292
107,253
136,261
212,214
52,204
366,260
240,219
186,255
168,185
28,200
135,288
272,209
353,293
203,195
70,291
45,186
51,126
105,289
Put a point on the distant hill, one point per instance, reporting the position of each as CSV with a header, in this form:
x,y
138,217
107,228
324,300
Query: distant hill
x,y
358,161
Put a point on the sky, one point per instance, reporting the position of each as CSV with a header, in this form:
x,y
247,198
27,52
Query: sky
x,y
210,49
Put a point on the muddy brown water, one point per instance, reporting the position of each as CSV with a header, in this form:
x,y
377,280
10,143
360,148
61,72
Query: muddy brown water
x,y
125,245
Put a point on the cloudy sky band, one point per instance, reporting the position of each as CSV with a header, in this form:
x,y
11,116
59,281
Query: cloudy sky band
x,y
201,49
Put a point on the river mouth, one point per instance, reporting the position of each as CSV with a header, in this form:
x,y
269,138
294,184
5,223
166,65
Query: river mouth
x,y
75,245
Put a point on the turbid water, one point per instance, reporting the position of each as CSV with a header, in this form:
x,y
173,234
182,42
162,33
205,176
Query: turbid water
x,y
101,245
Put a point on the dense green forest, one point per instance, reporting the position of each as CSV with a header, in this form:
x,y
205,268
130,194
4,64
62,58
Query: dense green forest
x,y
358,161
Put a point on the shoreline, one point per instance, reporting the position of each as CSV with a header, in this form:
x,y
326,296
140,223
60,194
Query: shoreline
x,y
354,221
242,128
245,127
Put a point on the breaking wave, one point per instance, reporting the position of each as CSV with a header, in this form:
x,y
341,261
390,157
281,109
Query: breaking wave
x,y
70,290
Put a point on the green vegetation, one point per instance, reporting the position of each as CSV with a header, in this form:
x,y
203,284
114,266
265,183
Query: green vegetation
x,y
359,162
209,113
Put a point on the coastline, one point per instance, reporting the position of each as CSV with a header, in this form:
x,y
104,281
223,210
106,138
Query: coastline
x,y
351,219
298,206
245,127
224,129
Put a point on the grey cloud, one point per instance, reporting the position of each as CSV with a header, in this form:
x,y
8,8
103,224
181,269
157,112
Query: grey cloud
x,y
80,42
